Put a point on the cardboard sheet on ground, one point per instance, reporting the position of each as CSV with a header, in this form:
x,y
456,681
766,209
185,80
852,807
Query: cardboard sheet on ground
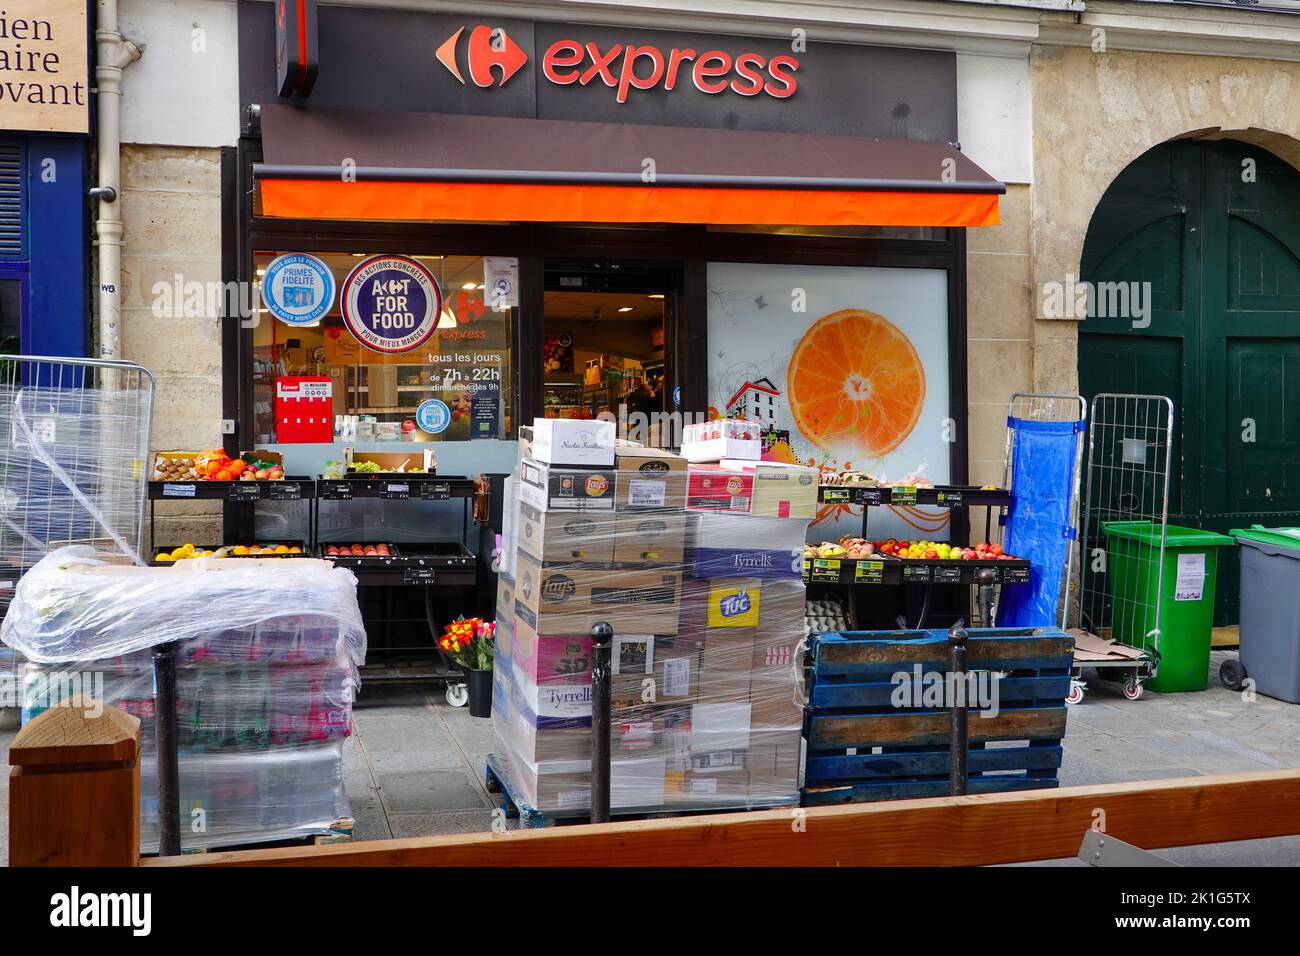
x,y
1091,648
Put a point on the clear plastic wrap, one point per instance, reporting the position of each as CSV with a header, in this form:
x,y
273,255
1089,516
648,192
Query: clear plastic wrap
x,y
266,671
707,610
72,606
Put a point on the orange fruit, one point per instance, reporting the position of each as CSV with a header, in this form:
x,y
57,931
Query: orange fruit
x,y
237,467
855,384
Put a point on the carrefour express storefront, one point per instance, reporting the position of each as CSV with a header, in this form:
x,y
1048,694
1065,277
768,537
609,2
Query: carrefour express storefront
x,y
459,224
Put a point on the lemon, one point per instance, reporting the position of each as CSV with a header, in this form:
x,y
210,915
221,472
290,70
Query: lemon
x,y
165,556
241,549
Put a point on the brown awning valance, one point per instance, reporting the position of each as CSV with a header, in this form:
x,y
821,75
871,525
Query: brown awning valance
x,y
336,164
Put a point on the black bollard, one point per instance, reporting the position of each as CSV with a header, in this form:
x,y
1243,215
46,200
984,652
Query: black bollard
x,y
169,785
986,578
958,738
602,643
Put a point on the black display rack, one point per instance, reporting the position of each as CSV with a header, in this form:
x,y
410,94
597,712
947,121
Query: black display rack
x,y
399,591
394,587
846,575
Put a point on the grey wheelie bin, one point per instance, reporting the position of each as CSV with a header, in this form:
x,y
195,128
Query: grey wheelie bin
x,y
1270,613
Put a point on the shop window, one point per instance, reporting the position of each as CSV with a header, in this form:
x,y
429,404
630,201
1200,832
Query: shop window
x,y
395,368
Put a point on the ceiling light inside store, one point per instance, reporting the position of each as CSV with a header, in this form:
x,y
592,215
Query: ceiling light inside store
x,y
655,295
627,308
469,286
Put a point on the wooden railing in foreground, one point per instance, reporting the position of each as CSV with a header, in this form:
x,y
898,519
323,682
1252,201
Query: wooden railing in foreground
x,y
944,831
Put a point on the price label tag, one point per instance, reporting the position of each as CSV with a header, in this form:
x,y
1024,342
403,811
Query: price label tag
x,y
902,495
869,496
948,499
337,490
826,570
948,575
417,576
244,491
286,491
1015,575
916,573
179,491
836,496
396,490
805,570
869,572
434,490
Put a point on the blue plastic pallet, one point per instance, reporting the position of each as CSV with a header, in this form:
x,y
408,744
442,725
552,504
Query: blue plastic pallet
x,y
867,741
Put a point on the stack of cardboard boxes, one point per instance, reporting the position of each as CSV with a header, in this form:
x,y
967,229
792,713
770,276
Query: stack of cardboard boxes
x,y
706,605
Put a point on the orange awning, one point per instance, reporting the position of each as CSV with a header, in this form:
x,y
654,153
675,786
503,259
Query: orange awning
x,y
526,202
425,167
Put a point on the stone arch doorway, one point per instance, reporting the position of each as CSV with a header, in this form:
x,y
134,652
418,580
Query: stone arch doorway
x,y
1204,235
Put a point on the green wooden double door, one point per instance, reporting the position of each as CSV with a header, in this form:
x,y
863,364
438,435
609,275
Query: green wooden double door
x,y
1214,228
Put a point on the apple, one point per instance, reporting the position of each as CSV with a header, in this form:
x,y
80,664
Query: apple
x,y
995,548
263,474
931,554
982,546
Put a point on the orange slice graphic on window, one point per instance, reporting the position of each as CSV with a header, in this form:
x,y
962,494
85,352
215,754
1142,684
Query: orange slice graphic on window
x,y
855,384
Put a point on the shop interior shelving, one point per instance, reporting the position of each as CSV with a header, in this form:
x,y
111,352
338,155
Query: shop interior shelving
x,y
845,576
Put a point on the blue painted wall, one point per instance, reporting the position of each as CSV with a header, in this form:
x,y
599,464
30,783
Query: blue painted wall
x,y
57,318
55,268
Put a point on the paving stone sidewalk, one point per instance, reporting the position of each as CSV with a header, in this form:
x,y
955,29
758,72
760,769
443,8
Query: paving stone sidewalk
x,y
414,765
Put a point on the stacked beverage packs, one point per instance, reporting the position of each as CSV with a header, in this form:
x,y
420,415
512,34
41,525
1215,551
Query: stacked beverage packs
x,y
706,607
267,657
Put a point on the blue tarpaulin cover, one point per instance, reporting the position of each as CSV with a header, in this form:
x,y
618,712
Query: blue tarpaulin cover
x,y
1038,521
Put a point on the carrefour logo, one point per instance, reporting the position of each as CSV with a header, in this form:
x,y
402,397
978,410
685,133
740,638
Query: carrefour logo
x,y
492,58
490,48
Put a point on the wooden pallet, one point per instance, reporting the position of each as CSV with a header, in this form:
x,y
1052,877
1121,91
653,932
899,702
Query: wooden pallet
x,y
340,831
867,740
497,781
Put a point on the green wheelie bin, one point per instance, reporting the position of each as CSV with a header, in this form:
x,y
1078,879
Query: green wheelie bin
x,y
1185,598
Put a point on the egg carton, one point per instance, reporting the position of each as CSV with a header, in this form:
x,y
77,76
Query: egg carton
x,y
824,614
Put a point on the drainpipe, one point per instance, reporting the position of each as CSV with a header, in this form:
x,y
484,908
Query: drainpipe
x,y
113,53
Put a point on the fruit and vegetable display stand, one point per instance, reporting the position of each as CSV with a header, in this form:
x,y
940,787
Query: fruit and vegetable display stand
x,y
211,475
402,581
879,715
843,567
